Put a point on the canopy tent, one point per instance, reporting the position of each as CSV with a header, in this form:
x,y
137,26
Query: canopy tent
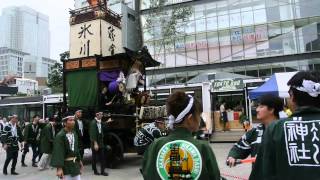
x,y
277,85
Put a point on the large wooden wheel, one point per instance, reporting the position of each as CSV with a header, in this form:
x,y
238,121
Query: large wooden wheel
x,y
115,149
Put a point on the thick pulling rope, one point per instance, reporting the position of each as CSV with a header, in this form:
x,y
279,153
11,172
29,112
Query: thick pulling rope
x,y
248,160
238,161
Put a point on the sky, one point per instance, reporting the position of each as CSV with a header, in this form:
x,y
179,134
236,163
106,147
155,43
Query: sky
x,y
58,12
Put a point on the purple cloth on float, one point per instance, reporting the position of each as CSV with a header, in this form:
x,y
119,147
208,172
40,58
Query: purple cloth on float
x,y
113,87
109,75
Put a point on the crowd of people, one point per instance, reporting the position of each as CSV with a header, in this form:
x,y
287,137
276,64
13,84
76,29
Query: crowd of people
x,y
53,144
285,149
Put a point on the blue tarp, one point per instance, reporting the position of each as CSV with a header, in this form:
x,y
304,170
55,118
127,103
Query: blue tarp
x,y
269,87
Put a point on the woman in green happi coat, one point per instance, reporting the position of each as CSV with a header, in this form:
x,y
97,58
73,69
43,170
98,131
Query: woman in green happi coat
x,y
179,155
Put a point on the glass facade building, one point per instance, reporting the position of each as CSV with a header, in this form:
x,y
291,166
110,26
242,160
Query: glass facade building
x,y
227,31
26,30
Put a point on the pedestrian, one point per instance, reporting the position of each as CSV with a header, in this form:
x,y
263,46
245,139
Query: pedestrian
x,y
46,143
224,116
11,136
147,134
268,110
179,155
31,132
290,147
79,129
97,144
2,125
66,153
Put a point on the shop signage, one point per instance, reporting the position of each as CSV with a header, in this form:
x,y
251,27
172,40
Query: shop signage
x,y
227,85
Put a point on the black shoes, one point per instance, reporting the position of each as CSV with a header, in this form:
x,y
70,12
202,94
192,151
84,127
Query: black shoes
x,y
5,172
14,173
104,174
34,165
24,165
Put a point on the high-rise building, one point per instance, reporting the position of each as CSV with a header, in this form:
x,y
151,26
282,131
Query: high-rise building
x,y
11,62
244,38
37,67
26,30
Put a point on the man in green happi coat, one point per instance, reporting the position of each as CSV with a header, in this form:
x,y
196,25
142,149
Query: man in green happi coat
x,y
79,129
179,155
31,133
268,110
65,155
46,143
97,145
290,147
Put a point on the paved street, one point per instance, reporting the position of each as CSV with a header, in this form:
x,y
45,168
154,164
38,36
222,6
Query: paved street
x,y
128,170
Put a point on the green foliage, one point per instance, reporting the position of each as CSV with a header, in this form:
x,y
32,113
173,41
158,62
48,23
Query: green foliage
x,y
171,22
55,76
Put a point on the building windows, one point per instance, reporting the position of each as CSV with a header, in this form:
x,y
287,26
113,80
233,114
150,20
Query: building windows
x,y
202,48
180,51
234,30
213,45
237,44
200,25
235,20
191,50
212,23
274,30
223,21
247,18
260,16
225,45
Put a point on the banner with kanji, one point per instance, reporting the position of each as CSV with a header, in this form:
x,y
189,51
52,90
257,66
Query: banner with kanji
x,y
302,142
96,37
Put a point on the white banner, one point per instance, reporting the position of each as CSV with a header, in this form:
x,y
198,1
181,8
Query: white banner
x,y
96,37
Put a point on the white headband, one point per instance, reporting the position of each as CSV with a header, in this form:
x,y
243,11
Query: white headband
x,y
173,120
310,87
68,117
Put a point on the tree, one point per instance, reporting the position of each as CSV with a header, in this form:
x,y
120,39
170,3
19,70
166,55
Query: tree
x,y
55,76
170,21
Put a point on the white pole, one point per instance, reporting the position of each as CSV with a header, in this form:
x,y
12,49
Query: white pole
x,y
43,107
250,113
246,99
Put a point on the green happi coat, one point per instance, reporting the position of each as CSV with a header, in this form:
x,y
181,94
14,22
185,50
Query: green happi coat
x,y
30,136
290,148
78,132
209,166
62,151
95,135
46,139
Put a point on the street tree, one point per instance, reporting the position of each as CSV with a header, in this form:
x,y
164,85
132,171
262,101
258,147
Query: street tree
x,y
166,24
55,75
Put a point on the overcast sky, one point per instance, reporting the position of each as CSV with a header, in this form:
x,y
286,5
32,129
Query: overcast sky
x,y
58,12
